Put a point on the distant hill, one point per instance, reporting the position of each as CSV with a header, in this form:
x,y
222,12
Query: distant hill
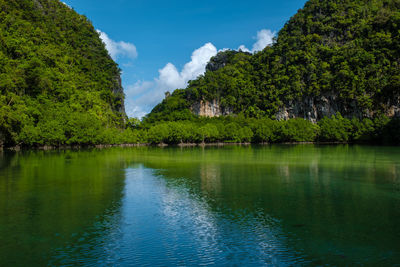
x,y
332,56
58,85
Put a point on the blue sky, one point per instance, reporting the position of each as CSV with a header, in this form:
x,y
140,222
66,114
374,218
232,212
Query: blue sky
x,y
159,45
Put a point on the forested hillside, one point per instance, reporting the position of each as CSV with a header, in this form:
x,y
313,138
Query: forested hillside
x,y
333,56
58,85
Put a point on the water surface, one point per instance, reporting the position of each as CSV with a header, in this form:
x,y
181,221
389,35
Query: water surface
x,y
271,205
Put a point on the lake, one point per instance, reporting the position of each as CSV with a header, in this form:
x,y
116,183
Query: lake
x,y
279,205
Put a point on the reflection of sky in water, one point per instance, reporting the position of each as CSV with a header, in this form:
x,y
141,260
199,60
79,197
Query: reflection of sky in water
x,y
185,230
163,223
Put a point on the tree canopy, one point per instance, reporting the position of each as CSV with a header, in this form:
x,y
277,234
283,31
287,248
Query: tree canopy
x,y
58,83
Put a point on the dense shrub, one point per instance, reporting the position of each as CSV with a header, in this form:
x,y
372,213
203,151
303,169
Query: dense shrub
x,y
335,128
300,130
241,130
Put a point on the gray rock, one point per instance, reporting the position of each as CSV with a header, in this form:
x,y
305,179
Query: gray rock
x,y
314,108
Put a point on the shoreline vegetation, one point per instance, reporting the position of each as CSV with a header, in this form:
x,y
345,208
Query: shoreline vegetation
x,y
162,145
219,131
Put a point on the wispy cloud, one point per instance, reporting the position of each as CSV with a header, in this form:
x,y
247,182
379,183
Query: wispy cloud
x,y
118,49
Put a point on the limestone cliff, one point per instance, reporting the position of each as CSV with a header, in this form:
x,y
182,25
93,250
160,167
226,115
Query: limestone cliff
x,y
209,109
314,108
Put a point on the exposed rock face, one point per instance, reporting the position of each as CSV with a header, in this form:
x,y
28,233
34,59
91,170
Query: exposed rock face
x,y
210,109
118,92
394,107
314,108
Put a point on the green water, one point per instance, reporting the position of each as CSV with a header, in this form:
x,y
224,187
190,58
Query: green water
x,y
273,205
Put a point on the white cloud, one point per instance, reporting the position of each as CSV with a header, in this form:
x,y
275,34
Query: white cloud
x,y
144,95
171,78
141,98
197,65
118,49
264,38
244,49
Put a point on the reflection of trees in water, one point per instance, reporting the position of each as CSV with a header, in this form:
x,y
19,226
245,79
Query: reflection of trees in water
x,y
49,199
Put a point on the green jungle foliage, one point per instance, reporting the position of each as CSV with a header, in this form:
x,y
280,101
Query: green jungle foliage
x,y
348,48
58,85
239,129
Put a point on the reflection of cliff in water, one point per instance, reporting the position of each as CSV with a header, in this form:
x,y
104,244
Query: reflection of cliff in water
x,y
52,199
210,178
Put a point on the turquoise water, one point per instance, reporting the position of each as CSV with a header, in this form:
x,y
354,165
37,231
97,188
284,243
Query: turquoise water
x,y
270,205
